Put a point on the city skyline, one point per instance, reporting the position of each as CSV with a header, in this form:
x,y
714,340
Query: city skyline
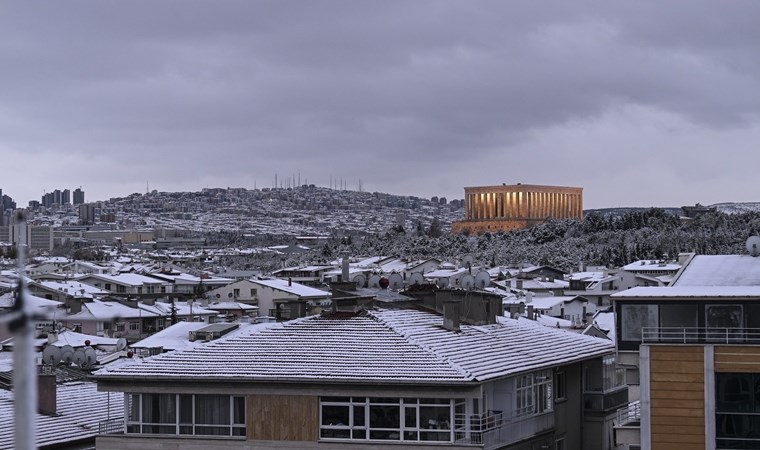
x,y
643,104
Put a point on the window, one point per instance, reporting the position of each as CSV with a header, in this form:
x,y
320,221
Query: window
x,y
236,293
253,292
120,326
533,393
121,289
396,419
200,414
560,386
134,326
636,317
108,286
737,410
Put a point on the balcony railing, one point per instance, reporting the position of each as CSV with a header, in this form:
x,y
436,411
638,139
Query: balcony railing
x,y
493,430
696,335
630,414
111,426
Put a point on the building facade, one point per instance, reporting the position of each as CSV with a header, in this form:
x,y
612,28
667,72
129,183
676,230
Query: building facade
x,y
510,207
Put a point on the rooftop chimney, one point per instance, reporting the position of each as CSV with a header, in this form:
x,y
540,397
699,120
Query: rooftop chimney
x,y
451,315
344,270
290,281
46,394
530,312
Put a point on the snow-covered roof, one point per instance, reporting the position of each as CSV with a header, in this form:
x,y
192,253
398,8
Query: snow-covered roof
x,y
74,339
390,346
80,408
132,279
101,310
229,306
183,309
445,273
292,288
689,292
73,288
174,337
720,270
7,300
545,302
652,266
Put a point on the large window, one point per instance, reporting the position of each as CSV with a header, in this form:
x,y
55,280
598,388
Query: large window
x,y
737,410
395,419
636,317
209,415
533,393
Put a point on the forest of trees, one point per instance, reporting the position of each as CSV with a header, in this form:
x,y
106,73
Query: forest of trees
x,y
597,240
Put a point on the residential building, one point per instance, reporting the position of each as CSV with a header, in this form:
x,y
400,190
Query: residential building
x,y
692,357
286,300
367,379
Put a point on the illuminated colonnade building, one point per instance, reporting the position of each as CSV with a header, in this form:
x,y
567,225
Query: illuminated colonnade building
x,y
511,207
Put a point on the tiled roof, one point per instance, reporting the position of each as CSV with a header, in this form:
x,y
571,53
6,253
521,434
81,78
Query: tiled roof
x,y
80,407
390,346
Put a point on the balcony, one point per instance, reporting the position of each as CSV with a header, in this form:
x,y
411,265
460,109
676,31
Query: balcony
x,y
628,425
111,426
494,430
605,401
700,335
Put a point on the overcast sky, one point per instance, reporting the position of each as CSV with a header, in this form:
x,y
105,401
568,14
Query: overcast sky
x,y
640,103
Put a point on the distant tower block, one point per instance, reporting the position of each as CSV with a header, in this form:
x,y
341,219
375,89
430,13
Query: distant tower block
x,y
512,207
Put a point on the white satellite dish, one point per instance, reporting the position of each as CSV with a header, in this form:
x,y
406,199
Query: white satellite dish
x,y
467,281
442,282
121,344
467,261
395,281
374,282
51,355
91,358
67,354
360,280
79,358
416,278
753,245
482,279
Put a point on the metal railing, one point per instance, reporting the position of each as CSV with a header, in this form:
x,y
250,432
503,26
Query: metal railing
x,y
111,426
629,414
493,429
690,335
605,401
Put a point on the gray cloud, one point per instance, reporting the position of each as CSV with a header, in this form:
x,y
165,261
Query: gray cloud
x,y
419,97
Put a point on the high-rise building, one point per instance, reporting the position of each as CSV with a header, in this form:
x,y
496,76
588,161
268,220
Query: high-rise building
x,y
66,197
78,196
57,194
87,214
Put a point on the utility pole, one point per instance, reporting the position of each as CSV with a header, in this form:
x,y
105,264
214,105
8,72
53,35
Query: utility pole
x,y
24,369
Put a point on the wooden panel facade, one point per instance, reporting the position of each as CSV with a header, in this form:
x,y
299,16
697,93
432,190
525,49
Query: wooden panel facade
x,y
744,359
677,396
282,418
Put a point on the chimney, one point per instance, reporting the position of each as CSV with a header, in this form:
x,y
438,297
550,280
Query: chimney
x,y
46,394
290,282
52,337
519,284
530,313
344,270
529,297
451,315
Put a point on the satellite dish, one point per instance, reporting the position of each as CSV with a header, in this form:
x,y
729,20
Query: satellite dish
x,y
395,281
360,280
482,279
79,358
467,261
467,281
416,278
67,354
374,282
121,344
51,355
753,245
442,282
91,358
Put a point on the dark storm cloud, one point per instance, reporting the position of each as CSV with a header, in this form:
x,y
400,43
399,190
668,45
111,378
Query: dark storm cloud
x,y
416,97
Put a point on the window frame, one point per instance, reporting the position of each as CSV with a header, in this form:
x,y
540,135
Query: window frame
x,y
133,405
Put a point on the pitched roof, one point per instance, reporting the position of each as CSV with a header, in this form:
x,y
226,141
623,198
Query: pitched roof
x,y
292,288
720,270
80,407
389,346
